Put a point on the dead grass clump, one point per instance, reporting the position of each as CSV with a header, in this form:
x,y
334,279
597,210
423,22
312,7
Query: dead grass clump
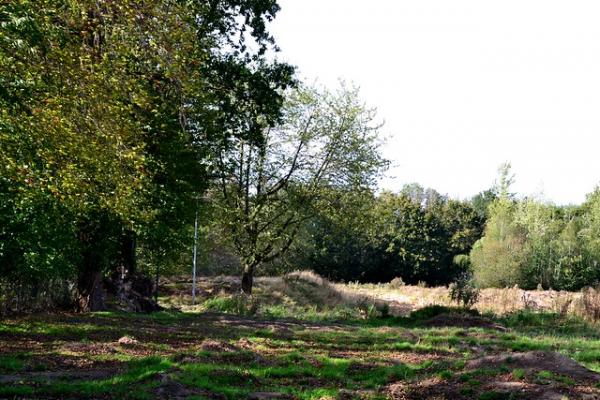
x,y
307,276
396,283
500,301
562,303
321,291
590,304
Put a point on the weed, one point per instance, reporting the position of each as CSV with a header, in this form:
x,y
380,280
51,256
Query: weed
x,y
518,373
445,375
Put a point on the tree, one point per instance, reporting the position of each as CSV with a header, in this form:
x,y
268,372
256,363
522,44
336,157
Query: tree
x,y
498,257
344,241
108,112
481,202
426,234
267,189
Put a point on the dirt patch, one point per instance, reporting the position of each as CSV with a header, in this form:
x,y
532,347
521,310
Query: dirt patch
x,y
218,346
436,388
409,357
487,375
539,361
92,374
433,388
463,321
173,390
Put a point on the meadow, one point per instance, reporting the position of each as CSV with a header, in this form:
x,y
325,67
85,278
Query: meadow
x,y
289,343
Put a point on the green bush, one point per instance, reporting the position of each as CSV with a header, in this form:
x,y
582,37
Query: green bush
x,y
239,304
464,292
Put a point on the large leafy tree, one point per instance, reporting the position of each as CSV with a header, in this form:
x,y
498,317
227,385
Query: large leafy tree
x,y
271,187
344,241
107,113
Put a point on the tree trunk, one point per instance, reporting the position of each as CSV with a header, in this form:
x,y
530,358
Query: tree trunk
x,y
90,288
90,277
247,279
132,289
128,248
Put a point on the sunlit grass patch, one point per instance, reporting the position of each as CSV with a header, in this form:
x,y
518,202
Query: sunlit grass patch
x,y
138,374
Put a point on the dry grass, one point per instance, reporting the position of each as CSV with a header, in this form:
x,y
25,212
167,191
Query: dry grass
x,y
497,301
302,289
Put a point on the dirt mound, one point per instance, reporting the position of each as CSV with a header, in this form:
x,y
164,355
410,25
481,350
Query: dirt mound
x,y
542,375
218,346
463,321
436,388
173,390
537,360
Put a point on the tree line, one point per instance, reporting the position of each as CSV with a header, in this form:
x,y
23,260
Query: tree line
x,y
531,243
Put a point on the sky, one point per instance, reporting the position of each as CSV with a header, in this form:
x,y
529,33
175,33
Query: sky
x,y
464,85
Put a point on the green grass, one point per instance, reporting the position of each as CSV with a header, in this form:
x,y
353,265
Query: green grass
x,y
518,373
298,358
11,363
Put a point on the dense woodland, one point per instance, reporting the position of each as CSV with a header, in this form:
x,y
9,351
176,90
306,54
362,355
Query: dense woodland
x,y
121,123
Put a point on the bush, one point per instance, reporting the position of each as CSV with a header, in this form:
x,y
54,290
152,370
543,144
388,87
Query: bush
x,y
464,292
367,310
238,304
384,310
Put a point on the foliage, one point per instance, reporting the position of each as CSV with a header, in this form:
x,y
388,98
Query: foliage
x,y
108,111
267,189
463,291
531,243
360,236
236,304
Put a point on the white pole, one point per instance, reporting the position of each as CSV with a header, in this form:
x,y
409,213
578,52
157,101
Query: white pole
x,y
195,254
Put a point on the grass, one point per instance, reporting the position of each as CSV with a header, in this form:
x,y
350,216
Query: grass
x,y
304,351
11,363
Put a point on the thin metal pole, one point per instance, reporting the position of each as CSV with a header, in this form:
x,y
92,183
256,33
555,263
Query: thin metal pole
x,y
195,254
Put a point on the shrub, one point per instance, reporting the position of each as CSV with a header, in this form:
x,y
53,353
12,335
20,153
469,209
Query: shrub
x,y
239,304
463,291
384,310
396,283
367,310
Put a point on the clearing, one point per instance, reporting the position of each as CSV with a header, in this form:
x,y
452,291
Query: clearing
x,y
293,347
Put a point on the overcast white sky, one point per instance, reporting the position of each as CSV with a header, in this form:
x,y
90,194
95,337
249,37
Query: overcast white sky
x,y
464,85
